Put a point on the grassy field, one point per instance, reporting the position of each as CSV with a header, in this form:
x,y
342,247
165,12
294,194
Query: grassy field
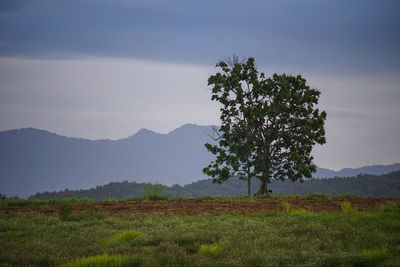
x,y
292,237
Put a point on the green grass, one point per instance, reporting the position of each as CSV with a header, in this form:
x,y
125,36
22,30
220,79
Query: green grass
x,y
261,239
38,202
210,250
347,208
376,256
127,237
286,207
104,260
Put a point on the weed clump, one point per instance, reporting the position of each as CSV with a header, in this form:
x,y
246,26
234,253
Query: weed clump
x,y
347,208
375,256
290,210
287,207
210,250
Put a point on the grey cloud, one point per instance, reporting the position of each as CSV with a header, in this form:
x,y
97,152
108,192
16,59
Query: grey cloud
x,y
10,5
317,34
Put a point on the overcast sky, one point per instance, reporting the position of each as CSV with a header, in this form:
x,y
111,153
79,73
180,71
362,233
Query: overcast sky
x,y
104,69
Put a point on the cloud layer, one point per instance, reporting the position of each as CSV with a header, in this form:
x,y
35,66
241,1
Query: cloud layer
x,y
105,69
319,34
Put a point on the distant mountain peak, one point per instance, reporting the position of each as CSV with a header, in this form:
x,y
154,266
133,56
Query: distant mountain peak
x,y
145,131
189,127
184,126
142,132
28,131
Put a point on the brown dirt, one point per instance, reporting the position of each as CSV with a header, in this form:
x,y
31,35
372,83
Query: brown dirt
x,y
201,206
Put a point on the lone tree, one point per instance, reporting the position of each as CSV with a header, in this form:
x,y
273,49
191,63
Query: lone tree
x,y
268,125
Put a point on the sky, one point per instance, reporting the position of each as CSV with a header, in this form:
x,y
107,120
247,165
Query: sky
x,y
106,68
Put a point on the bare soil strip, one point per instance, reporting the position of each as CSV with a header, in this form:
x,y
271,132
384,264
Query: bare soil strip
x,y
201,206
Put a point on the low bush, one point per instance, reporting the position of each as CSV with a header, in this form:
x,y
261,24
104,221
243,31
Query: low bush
x,y
151,192
154,192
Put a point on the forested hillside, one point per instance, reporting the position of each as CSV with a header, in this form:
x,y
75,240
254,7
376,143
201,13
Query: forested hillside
x,y
387,185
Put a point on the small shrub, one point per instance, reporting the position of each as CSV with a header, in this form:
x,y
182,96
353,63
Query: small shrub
x,y
154,192
347,208
210,250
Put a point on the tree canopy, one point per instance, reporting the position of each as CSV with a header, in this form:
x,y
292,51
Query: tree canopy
x,y
268,125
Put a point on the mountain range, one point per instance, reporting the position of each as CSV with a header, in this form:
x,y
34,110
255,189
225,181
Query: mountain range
x,y
33,160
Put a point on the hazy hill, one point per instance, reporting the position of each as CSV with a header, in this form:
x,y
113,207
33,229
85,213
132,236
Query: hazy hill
x,y
347,172
387,185
33,160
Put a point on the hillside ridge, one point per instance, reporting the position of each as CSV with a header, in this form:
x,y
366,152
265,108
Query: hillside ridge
x,y
34,160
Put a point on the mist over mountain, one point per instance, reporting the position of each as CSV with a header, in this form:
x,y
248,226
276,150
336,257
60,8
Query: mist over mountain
x,y
348,172
33,160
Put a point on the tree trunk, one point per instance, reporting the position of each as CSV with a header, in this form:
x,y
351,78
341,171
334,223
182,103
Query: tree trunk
x,y
248,185
263,188
248,181
264,182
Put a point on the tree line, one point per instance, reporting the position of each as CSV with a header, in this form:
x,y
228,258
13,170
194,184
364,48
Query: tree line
x,y
387,185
